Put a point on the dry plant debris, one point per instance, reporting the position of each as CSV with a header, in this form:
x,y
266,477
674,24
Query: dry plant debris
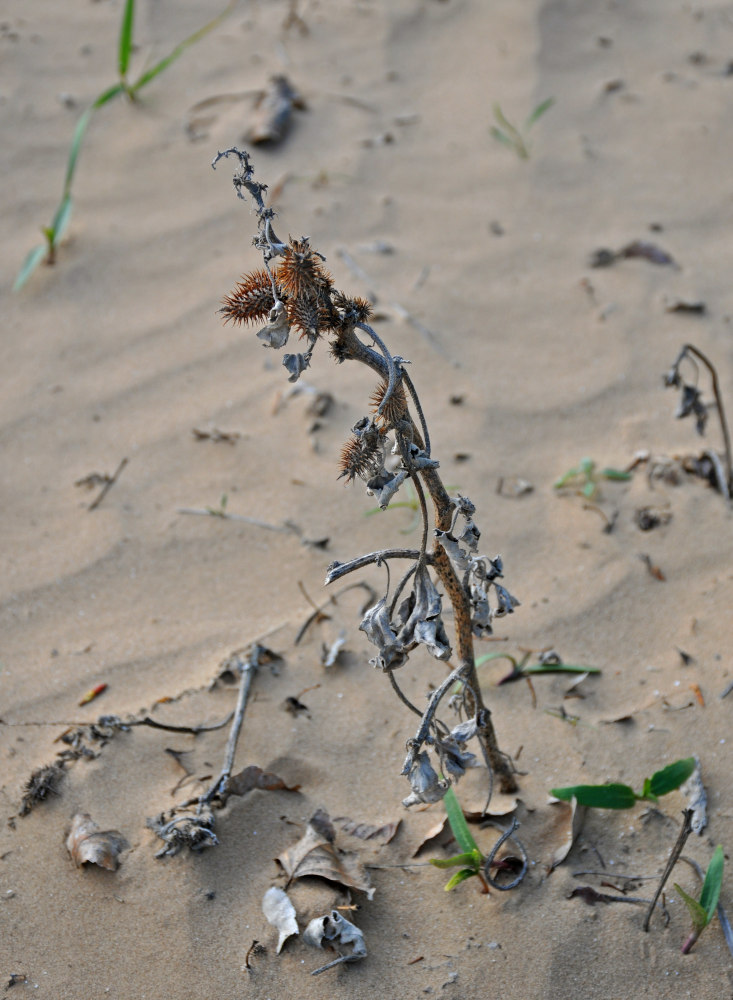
x,y
316,853
280,912
87,844
366,831
335,929
274,111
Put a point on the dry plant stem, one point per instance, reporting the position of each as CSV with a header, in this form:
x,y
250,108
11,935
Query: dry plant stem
x,y
691,349
249,669
337,570
672,861
355,350
108,485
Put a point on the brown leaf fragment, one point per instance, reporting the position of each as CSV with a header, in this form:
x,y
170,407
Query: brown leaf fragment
x,y
87,844
647,251
274,111
317,854
592,896
569,822
254,777
696,308
365,831
654,570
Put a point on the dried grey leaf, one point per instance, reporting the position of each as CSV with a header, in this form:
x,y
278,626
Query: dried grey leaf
x,y
276,331
280,912
453,759
432,634
470,536
333,927
458,556
420,620
296,364
507,602
464,731
694,790
384,493
426,785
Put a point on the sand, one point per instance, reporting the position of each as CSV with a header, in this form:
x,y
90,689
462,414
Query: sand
x,y
117,352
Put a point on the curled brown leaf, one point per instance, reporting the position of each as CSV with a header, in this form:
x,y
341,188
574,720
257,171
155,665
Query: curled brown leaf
x,y
87,844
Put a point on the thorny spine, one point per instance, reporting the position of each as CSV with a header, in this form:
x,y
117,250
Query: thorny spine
x,y
299,287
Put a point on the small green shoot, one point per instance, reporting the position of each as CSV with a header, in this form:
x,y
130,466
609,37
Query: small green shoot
x,y
517,139
703,910
619,796
584,478
62,215
522,668
471,859
221,510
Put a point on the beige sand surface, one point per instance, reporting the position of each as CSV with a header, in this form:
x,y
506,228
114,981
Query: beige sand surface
x,y
117,352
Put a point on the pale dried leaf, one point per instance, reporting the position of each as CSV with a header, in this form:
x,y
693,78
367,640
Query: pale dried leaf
x,y
280,912
694,790
568,823
333,927
87,844
366,831
317,854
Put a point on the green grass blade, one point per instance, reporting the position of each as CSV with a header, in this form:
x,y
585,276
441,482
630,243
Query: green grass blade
x,y
459,877
559,668
60,220
503,137
125,44
615,474
31,262
154,71
539,111
76,141
496,656
108,94
470,858
614,796
564,480
458,823
672,776
698,914
713,881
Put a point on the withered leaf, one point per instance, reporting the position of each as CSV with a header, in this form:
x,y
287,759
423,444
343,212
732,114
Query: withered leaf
x,y
317,854
365,831
569,825
254,777
280,912
592,896
86,843
648,251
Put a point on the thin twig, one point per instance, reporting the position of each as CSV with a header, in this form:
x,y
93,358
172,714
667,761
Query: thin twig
x,y
338,569
506,835
226,516
672,861
108,485
248,669
719,403
415,744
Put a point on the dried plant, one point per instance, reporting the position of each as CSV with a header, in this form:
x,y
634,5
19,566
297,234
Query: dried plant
x,y
710,465
388,447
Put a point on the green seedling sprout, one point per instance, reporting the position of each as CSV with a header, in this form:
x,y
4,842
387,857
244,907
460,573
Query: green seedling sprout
x,y
522,668
517,139
62,216
619,796
585,476
471,861
703,910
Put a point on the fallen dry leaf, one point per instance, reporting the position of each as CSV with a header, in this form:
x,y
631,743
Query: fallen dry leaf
x,y
317,854
365,831
280,912
568,823
87,844
254,777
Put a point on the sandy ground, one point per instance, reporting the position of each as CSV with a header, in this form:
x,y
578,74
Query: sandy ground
x,y
118,352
